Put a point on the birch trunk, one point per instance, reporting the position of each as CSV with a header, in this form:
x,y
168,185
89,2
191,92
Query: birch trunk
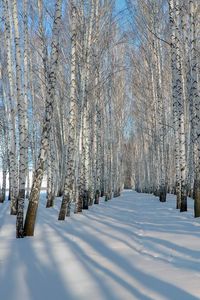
x,y
70,172
195,102
11,107
49,106
174,96
22,125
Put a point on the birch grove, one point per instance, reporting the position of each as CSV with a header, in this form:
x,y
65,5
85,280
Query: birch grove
x,y
166,98
91,104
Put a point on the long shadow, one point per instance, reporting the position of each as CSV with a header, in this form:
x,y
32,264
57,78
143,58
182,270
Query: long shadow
x,y
45,282
93,267
26,277
117,238
177,261
113,215
7,273
183,250
4,207
155,247
43,279
166,289
156,242
176,225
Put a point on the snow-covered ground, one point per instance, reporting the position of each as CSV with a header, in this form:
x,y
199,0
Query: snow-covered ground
x,y
132,247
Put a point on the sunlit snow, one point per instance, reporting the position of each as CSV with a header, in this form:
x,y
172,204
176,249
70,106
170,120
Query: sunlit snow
x,y
132,247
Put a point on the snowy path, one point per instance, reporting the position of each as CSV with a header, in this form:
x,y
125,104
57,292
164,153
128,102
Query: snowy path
x,y
132,247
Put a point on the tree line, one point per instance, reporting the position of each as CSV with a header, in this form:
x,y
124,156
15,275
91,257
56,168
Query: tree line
x,y
62,104
94,99
165,88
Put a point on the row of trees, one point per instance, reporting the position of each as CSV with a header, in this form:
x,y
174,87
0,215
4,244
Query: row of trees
x,y
166,90
63,104
90,101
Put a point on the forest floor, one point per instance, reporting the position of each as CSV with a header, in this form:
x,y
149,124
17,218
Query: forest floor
x,y
131,247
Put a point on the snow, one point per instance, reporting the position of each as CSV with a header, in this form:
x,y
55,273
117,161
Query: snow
x,y
131,247
44,181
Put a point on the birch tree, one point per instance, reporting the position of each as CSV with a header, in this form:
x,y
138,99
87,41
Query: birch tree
x,y
50,99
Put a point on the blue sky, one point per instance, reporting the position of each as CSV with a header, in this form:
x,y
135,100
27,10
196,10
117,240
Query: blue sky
x,y
120,4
